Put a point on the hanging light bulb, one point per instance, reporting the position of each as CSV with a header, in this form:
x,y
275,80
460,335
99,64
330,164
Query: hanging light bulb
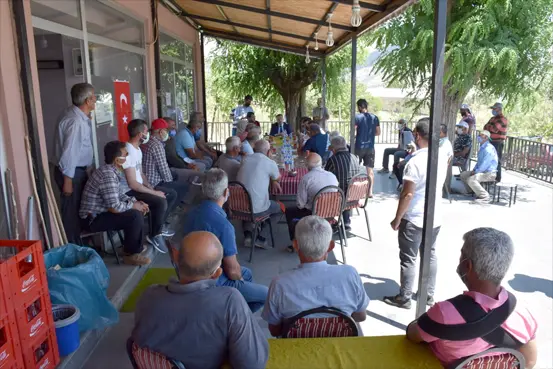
x,y
316,41
356,14
307,59
329,39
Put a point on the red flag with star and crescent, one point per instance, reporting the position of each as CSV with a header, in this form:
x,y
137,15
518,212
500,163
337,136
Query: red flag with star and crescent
x,y
123,108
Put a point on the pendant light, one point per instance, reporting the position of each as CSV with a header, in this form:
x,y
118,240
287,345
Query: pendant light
x,y
329,38
316,41
307,59
356,14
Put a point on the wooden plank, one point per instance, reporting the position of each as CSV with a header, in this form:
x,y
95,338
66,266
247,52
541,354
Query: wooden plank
x,y
216,26
254,34
244,17
304,8
293,27
289,40
342,14
206,10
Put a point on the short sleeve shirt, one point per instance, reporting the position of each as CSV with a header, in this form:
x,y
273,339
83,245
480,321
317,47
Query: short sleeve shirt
x,y
229,165
247,148
184,140
461,142
134,160
317,143
366,124
255,174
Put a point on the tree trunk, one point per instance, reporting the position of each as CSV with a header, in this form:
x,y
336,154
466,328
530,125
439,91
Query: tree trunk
x,y
292,104
302,109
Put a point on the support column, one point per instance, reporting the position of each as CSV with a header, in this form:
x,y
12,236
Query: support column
x,y
204,102
353,93
157,60
440,18
323,97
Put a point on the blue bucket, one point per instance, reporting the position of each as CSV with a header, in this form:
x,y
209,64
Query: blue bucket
x,y
67,328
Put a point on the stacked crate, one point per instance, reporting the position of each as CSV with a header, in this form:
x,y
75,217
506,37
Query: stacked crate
x,y
30,338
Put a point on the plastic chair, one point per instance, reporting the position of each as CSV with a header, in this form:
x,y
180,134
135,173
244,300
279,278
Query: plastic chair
x,y
358,189
240,207
144,358
330,205
339,325
509,359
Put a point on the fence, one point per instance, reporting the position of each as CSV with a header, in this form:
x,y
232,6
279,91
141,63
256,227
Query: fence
x,y
535,159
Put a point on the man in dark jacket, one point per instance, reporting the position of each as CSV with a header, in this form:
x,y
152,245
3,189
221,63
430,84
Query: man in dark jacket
x,y
280,127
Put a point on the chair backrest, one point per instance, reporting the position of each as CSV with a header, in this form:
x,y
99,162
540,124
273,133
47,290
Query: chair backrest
x,y
143,358
504,358
174,256
239,200
329,202
338,325
358,189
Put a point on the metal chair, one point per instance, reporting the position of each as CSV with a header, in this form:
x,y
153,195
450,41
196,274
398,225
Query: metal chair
x,y
358,189
144,358
85,234
174,256
339,325
240,207
330,205
508,359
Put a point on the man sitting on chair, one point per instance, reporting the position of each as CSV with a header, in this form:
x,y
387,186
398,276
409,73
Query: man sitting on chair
x,y
230,161
309,186
314,283
194,321
462,145
484,171
318,142
280,127
485,258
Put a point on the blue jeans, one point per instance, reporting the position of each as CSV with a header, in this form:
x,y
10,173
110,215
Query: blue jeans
x,y
254,294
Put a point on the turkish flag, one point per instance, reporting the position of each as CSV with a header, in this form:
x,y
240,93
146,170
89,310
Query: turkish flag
x,y
123,108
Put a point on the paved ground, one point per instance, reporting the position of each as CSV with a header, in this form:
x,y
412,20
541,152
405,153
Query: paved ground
x,y
529,223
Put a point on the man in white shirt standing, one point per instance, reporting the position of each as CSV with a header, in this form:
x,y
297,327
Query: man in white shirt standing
x,y
241,112
410,216
315,180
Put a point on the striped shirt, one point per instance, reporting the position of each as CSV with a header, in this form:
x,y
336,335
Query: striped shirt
x,y
102,192
345,166
497,126
154,163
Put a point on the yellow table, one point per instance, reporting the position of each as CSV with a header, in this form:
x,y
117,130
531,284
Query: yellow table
x,y
385,352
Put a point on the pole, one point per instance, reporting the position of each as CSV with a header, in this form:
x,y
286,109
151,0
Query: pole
x,y
204,102
323,75
440,18
157,58
353,93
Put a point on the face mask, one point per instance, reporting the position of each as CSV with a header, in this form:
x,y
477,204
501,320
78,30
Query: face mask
x,y
494,113
461,274
164,136
145,138
399,127
172,133
121,160
442,140
198,134
459,131
479,139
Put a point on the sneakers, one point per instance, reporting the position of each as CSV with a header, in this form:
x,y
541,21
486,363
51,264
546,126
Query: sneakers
x,y
261,242
136,259
290,249
157,243
392,176
197,181
398,301
384,170
166,231
430,301
248,241
483,200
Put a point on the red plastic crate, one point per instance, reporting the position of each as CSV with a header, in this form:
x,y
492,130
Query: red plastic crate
x,y
10,349
34,317
5,292
25,271
41,352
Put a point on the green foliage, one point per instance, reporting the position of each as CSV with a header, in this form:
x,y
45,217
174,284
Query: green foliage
x,y
501,48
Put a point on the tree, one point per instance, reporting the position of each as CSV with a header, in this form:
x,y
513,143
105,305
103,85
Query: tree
x,y
500,48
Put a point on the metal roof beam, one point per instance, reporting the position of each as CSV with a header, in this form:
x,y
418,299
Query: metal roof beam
x,y
269,26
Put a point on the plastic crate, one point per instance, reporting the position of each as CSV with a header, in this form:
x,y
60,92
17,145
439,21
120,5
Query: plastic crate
x,y
5,292
41,352
34,317
10,349
25,271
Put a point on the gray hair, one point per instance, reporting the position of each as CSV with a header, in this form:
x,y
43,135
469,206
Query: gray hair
x,y
232,142
80,92
491,252
214,184
316,163
261,146
334,134
338,143
313,235
255,130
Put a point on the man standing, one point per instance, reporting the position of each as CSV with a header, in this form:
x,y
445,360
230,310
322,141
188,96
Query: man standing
x,y
230,161
74,153
241,112
368,126
467,117
320,113
345,166
280,127
105,208
497,126
209,216
484,171
405,137
410,216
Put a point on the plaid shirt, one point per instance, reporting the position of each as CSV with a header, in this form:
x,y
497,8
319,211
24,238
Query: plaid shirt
x,y
497,126
345,166
101,193
154,162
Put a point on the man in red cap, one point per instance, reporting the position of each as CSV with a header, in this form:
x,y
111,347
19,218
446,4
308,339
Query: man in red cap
x,y
154,163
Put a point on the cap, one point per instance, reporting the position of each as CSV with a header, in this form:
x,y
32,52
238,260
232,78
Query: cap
x,y
463,124
486,133
248,97
159,124
497,105
465,106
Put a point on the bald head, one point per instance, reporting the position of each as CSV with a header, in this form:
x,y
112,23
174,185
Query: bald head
x,y
314,160
200,255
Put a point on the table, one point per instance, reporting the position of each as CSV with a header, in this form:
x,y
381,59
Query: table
x,y
290,184
384,352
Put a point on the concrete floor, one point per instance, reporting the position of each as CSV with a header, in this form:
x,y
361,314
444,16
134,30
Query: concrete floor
x,y
529,223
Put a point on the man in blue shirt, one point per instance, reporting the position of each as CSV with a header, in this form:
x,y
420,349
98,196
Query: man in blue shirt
x,y
368,126
485,169
280,127
318,142
185,142
209,216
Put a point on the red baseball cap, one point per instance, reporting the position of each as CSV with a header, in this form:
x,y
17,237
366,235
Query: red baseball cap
x,y
159,124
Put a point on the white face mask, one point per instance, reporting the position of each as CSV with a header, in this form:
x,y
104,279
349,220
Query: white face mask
x,y
459,131
164,137
146,138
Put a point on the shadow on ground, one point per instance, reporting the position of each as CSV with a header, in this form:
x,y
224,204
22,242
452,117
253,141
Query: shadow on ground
x,y
525,283
384,287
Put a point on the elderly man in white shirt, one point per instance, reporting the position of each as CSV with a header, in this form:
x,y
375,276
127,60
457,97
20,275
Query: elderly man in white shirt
x,y
230,161
315,180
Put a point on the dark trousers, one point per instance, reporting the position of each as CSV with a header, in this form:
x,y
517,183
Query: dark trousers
x,y
396,152
293,215
130,221
174,193
346,215
398,171
409,239
70,204
499,148
158,209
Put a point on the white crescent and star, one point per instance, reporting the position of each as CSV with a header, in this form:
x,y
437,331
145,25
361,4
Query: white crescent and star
x,y
122,98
